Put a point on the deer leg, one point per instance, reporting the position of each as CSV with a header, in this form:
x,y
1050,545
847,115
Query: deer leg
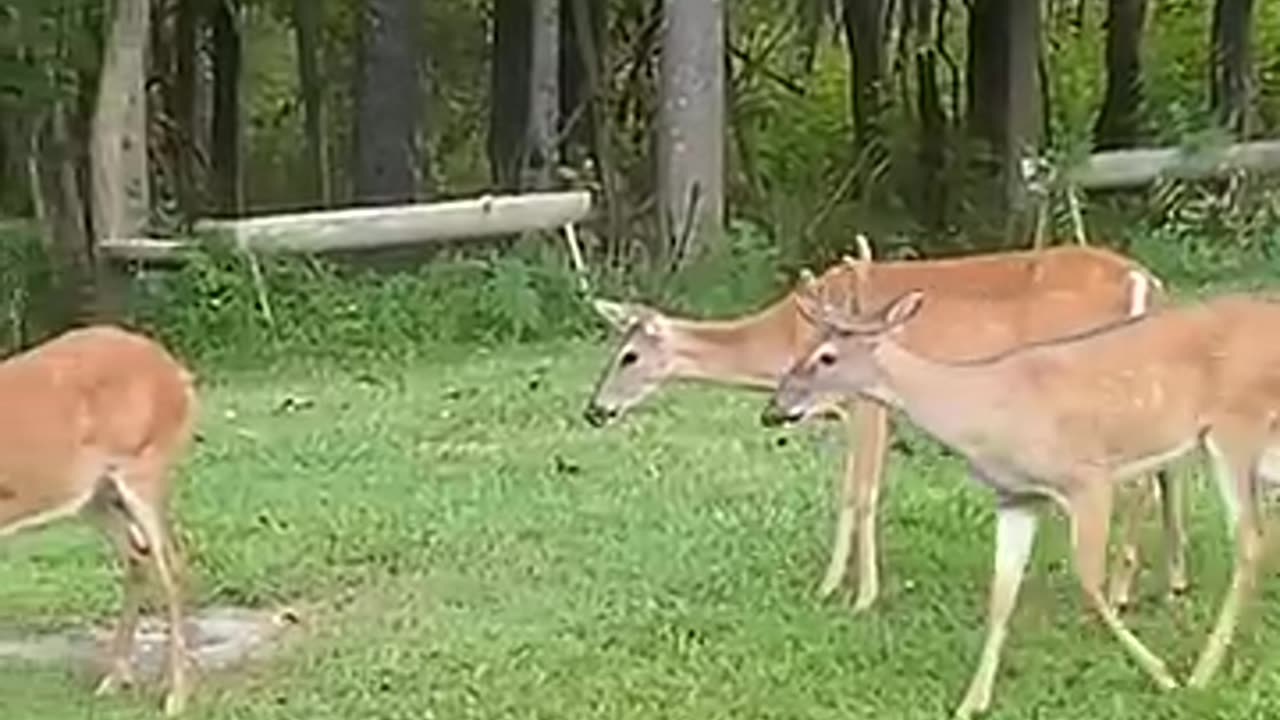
x,y
145,519
1134,502
120,658
1236,482
1090,512
1173,514
1016,523
841,546
874,432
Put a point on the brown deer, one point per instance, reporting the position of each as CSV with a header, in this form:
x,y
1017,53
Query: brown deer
x,y
91,424
1065,420
753,351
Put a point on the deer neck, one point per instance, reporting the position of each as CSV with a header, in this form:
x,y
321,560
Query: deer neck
x,y
952,403
754,351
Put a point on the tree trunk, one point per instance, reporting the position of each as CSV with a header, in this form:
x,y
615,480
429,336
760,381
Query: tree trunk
x,y
582,37
306,24
544,94
1230,62
690,145
118,147
389,103
932,202
1023,98
509,90
1003,85
183,109
864,25
67,239
1119,123
228,185
987,73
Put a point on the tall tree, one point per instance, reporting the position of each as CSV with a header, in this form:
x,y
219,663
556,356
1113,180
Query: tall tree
x,y
582,41
306,29
1120,121
864,23
182,108
1230,87
118,145
389,102
690,142
1003,84
509,90
544,94
227,131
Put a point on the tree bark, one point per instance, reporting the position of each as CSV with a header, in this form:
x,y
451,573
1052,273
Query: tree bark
x,y
1230,62
509,90
1003,84
690,145
544,95
389,103
183,109
67,238
1119,123
228,185
306,30
582,38
987,73
118,145
864,25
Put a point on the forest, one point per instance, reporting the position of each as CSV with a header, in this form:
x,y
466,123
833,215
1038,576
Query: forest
x,y
791,125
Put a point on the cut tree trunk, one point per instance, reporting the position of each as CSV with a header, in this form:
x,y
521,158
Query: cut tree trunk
x,y
228,183
1230,63
372,228
1119,123
544,95
690,143
389,103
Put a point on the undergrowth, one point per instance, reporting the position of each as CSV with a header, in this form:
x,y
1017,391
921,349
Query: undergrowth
x,y
217,309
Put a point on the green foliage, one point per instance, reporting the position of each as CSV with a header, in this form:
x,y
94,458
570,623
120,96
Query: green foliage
x,y
27,298
212,307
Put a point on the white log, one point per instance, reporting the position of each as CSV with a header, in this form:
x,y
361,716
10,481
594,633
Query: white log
x,y
1133,168
373,227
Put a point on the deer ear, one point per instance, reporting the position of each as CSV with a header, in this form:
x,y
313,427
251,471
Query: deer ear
x,y
903,308
620,315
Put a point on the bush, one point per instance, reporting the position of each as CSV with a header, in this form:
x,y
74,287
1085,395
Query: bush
x,y
213,307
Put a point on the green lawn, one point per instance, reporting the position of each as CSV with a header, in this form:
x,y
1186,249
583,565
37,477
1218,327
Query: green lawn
x,y
464,546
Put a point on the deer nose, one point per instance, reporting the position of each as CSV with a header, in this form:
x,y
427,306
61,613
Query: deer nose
x,y
597,415
774,415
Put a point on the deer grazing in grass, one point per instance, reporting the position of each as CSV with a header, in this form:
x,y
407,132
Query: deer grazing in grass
x,y
91,424
1065,420
1046,293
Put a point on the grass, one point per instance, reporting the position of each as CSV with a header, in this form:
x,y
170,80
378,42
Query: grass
x,y
465,547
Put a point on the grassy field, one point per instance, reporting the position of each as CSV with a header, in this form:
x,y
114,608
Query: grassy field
x,y
462,545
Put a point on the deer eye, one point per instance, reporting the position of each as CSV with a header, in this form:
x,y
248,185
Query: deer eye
x,y
827,358
628,358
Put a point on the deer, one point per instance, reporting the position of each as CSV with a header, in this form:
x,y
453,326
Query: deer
x,y
753,351
1063,422
92,423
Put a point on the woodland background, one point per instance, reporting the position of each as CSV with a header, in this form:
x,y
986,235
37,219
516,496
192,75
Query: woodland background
x,y
806,121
